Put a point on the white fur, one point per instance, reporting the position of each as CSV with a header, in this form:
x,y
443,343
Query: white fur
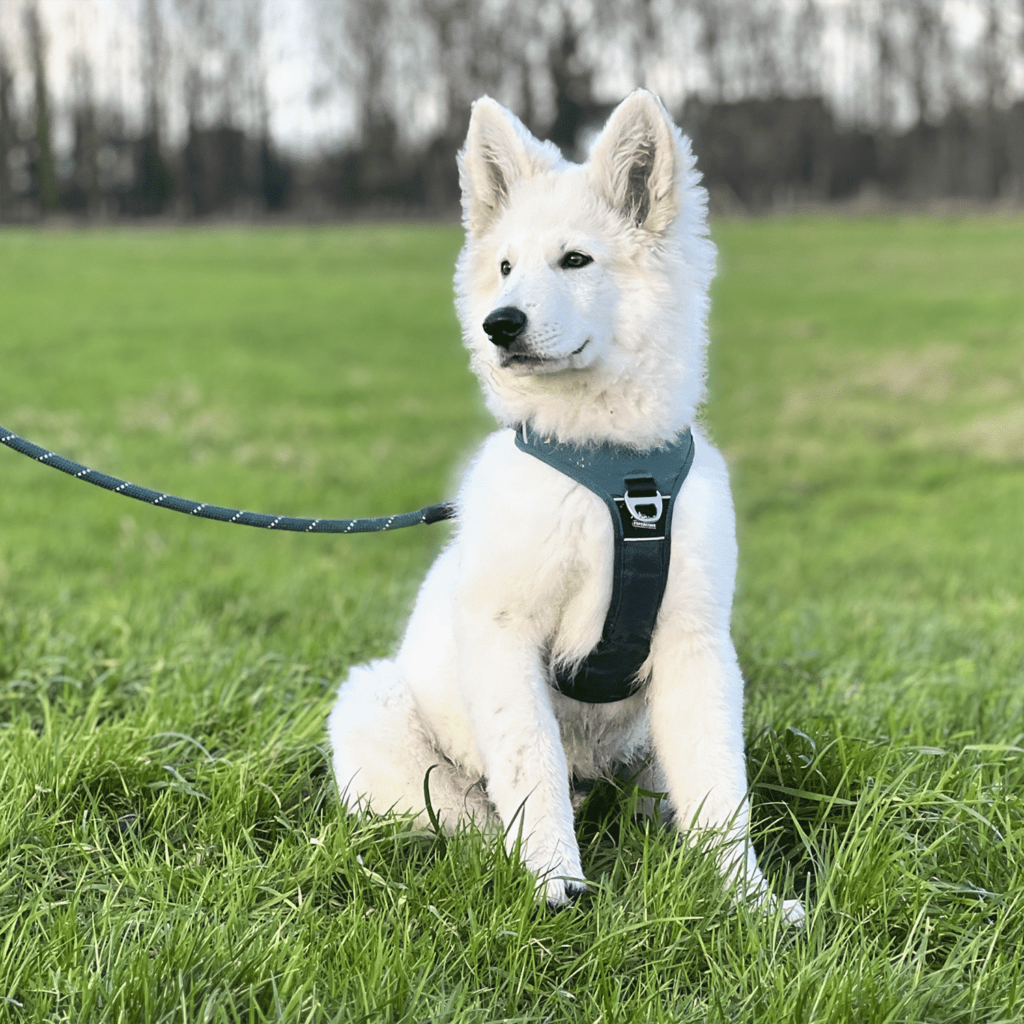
x,y
612,351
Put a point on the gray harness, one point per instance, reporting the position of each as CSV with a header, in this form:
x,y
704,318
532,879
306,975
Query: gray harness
x,y
639,488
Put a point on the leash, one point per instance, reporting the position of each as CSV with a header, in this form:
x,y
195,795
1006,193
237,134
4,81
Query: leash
x,y
378,524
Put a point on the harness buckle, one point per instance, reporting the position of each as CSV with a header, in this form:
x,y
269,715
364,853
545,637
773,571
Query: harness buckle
x,y
642,494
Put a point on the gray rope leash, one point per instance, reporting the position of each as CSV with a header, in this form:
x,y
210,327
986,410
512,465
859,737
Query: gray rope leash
x,y
430,514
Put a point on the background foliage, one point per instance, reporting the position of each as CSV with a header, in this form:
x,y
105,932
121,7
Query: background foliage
x,y
189,108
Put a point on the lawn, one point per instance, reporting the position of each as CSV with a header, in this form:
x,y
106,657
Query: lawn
x,y
172,849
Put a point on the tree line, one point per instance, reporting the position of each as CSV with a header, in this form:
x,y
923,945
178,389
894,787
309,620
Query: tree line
x,y
786,100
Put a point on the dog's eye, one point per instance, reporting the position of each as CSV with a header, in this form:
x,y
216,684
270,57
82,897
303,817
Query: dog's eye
x,y
506,268
571,260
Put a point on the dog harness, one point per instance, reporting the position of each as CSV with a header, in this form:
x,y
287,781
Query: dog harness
x,y
639,488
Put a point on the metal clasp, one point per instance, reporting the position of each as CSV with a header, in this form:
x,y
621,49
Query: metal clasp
x,y
644,493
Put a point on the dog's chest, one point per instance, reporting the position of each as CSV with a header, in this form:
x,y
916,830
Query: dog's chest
x,y
536,546
570,569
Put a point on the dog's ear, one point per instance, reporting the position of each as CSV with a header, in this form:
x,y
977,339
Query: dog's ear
x,y
499,151
633,162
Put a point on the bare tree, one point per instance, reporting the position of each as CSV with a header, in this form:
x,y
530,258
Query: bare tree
x,y
993,56
573,82
355,38
86,133
711,43
223,58
637,25
761,32
6,130
45,174
806,38
927,48
253,66
273,173
364,48
489,49
645,39
450,20
154,48
155,184
224,102
199,27
887,60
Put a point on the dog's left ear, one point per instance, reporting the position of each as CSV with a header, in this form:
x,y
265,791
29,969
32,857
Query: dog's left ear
x,y
633,162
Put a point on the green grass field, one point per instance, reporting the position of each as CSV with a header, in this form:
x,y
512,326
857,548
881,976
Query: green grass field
x,y
172,848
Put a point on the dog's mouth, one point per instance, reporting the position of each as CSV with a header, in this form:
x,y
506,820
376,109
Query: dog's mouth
x,y
527,362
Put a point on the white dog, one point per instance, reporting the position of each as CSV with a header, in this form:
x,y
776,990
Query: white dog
x,y
583,296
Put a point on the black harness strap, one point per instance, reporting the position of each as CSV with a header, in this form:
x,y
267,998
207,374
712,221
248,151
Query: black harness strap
x,y
639,489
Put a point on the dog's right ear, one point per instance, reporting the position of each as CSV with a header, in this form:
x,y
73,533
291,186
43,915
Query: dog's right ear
x,y
499,152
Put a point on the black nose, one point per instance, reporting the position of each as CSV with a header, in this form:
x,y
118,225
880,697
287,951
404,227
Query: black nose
x,y
504,325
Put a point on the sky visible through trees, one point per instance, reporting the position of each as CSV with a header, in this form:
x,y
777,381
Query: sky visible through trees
x,y
298,80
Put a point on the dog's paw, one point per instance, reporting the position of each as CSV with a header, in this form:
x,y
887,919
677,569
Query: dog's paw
x,y
562,892
792,912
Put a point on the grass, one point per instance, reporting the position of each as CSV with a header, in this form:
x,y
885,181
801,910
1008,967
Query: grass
x,y
171,846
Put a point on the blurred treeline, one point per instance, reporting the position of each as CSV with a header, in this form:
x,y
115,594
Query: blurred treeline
x,y
924,106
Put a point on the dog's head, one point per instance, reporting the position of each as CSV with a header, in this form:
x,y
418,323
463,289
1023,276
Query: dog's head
x,y
582,289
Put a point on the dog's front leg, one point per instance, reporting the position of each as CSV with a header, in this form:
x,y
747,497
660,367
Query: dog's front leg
x,y
697,727
501,679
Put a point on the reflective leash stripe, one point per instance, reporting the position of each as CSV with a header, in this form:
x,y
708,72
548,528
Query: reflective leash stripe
x,y
378,524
